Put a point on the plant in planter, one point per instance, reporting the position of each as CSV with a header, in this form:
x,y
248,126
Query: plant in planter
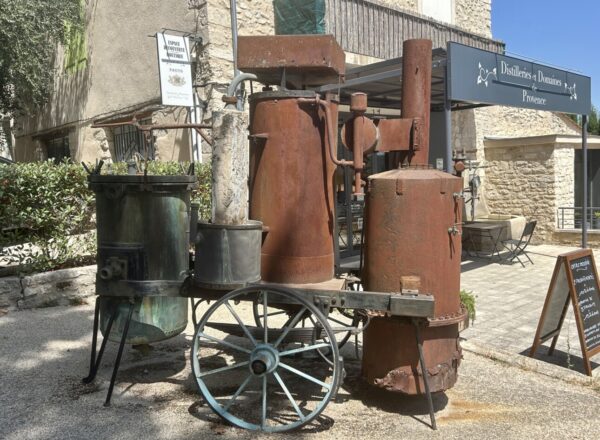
x,y
468,300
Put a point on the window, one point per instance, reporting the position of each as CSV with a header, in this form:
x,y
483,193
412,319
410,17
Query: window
x,y
57,148
441,10
129,140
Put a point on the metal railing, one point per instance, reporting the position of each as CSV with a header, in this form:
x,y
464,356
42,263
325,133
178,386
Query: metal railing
x,y
571,217
128,139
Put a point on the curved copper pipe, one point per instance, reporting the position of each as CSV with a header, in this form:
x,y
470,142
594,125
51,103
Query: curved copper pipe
x,y
328,125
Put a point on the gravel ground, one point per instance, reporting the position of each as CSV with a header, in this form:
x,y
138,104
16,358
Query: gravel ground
x,y
44,355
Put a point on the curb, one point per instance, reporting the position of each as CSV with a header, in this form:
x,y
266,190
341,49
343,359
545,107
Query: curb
x,y
47,289
533,365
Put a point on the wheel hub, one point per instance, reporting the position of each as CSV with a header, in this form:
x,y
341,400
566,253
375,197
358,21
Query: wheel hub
x,y
263,359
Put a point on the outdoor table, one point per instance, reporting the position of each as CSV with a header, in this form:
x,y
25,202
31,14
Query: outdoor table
x,y
486,232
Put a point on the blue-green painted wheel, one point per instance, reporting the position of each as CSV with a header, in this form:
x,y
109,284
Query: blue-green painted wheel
x,y
264,378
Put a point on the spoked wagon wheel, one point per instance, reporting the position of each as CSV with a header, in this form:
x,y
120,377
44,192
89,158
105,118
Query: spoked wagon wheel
x,y
344,323
264,378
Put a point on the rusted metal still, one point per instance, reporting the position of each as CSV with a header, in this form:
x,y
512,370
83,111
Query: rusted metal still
x,y
413,242
291,184
143,237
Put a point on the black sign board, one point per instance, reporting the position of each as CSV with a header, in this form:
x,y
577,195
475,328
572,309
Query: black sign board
x,y
574,279
483,77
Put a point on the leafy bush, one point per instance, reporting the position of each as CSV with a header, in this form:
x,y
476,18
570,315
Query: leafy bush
x,y
468,300
47,211
44,209
201,195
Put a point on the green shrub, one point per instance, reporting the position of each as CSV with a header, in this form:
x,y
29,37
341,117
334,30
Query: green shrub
x,y
201,195
47,211
468,300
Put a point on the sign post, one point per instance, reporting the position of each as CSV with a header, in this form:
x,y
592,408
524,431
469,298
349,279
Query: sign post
x,y
175,72
574,280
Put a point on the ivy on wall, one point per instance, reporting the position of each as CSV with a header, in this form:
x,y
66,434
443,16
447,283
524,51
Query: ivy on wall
x,y
76,43
30,32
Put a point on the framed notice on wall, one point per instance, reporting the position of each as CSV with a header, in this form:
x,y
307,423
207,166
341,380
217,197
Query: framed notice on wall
x,y
175,70
575,280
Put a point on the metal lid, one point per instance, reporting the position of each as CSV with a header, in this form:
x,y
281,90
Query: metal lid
x,y
250,224
282,94
141,180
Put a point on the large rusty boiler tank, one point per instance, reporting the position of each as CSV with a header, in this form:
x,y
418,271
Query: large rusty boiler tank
x,y
413,243
143,245
291,184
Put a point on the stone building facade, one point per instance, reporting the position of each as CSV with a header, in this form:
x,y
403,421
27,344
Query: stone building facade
x,y
120,79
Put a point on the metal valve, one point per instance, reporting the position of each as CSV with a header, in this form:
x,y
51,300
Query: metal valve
x,y
459,195
453,230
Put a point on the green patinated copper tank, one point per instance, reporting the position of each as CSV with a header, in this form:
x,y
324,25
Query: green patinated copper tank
x,y
143,253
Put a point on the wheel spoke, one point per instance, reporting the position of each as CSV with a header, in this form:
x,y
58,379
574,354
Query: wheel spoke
x,y
305,376
237,318
289,396
239,391
301,349
291,325
227,368
223,342
264,403
337,321
266,326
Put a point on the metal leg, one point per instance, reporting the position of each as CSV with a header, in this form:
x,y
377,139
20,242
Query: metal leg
x,y
425,380
119,354
92,372
95,360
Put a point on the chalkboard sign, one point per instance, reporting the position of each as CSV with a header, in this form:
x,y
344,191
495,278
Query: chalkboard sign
x,y
575,280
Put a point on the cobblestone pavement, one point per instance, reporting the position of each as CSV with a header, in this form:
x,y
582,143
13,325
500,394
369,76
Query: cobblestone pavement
x,y
509,301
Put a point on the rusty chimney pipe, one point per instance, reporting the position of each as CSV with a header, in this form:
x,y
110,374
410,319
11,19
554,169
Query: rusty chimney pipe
x,y
416,95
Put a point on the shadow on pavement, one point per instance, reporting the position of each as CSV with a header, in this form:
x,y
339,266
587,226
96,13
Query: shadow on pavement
x,y
562,359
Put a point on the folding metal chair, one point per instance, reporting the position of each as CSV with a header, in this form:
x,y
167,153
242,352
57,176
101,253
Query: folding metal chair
x,y
517,247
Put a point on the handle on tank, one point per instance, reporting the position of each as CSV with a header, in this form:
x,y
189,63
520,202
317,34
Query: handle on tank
x,y
328,125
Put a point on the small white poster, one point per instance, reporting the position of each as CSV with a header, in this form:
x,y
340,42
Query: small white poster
x,y
175,70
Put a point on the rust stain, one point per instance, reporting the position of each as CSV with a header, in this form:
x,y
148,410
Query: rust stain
x,y
472,411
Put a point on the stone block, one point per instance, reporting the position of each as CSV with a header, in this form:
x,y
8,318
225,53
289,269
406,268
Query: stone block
x,y
59,287
10,291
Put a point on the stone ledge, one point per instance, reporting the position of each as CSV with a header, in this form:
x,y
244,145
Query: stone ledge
x,y
59,287
531,364
10,291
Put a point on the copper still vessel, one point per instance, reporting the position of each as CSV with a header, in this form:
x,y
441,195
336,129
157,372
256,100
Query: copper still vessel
x,y
291,184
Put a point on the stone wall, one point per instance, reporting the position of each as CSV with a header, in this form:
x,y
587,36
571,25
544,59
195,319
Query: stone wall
x,y
471,127
521,181
474,16
564,182
532,177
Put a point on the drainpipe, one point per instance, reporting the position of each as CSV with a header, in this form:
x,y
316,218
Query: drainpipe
x,y
234,43
584,153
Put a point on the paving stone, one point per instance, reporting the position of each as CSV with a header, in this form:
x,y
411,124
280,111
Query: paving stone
x,y
509,302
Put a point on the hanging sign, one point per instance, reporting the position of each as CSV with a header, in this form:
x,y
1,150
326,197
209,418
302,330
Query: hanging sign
x,y
574,280
484,77
175,71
